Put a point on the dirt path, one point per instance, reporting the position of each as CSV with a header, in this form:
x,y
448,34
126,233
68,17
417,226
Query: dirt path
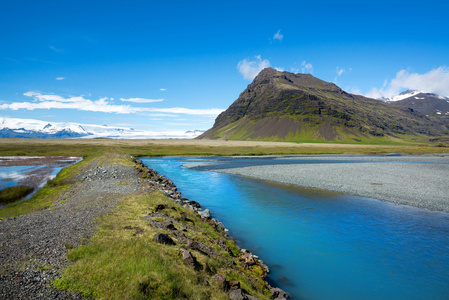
x,y
33,247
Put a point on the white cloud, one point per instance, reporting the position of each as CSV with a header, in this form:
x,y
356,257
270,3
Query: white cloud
x,y
278,36
162,89
294,70
187,111
280,69
250,68
435,81
340,71
162,115
356,91
306,67
101,105
60,78
141,100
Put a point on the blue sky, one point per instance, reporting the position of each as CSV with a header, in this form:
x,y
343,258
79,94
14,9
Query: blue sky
x,y
174,65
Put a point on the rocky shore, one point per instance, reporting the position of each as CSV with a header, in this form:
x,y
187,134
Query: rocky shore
x,y
33,247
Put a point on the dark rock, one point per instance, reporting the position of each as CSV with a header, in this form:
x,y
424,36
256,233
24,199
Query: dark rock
x,y
234,284
202,247
159,207
168,225
181,237
184,216
195,204
163,238
278,294
190,260
237,295
222,282
218,224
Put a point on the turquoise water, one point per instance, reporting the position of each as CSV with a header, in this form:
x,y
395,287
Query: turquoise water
x,y
322,245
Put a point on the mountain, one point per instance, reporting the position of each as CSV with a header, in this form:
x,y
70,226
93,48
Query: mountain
x,y
299,107
28,128
425,103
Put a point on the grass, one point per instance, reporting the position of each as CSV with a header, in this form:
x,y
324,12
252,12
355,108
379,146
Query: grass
x,y
122,261
140,148
14,193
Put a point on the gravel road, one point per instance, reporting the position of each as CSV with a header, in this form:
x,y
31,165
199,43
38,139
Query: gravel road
x,y
415,180
33,247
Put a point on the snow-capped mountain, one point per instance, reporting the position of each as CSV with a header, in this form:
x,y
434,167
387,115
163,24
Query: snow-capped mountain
x,y
28,128
425,103
404,95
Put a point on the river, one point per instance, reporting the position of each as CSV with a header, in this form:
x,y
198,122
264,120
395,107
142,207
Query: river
x,y
324,245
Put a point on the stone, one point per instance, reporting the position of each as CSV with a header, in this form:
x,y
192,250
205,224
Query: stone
x,y
159,207
219,224
222,282
234,284
190,260
205,214
237,295
163,238
168,225
247,259
278,294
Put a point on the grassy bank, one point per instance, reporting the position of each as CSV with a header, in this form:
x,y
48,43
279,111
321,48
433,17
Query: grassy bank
x,y
122,261
85,147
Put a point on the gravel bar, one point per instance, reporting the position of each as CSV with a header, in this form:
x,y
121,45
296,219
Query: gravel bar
x,y
416,180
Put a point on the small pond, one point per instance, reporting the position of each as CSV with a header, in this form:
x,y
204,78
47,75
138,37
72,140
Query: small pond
x,y
31,171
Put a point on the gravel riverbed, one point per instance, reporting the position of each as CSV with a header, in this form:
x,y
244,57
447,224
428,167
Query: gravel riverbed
x,y
416,180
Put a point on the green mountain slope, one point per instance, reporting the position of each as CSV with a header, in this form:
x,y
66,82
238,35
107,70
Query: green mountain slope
x,y
283,106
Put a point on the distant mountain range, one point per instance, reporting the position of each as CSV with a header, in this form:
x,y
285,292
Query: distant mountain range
x,y
282,106
425,103
28,128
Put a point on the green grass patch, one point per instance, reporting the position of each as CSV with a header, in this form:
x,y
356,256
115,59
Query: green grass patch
x,y
117,264
14,193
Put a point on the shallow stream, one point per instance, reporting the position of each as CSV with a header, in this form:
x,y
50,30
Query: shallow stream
x,y
324,245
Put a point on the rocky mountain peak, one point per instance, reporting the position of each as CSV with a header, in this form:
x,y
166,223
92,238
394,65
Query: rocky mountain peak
x,y
280,105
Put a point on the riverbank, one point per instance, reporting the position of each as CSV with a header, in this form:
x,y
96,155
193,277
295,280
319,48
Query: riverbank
x,y
415,180
113,229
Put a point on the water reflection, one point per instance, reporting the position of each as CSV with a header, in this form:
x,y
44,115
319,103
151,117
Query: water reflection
x,y
31,171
